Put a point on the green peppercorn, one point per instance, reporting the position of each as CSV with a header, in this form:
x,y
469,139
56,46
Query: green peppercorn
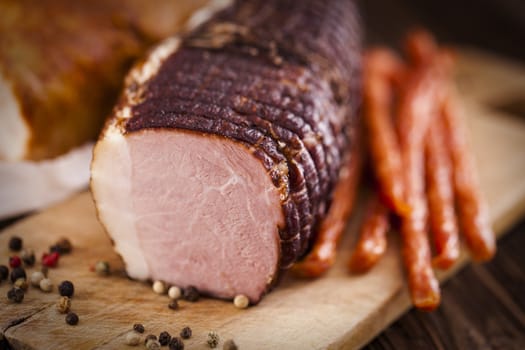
x,y
176,344
191,294
164,338
28,257
62,247
66,289
72,318
185,333
15,244
15,295
213,339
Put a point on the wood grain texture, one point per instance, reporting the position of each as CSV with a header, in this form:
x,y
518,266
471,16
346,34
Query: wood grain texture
x,y
336,311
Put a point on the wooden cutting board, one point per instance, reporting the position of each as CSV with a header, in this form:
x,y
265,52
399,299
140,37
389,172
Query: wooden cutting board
x,y
336,311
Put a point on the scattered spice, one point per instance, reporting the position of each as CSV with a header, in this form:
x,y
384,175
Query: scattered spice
x,y
15,295
14,261
241,301
16,273
176,344
185,333
152,345
159,287
21,283
174,292
36,277
132,338
46,285
15,244
51,259
138,327
102,268
150,337
4,272
72,319
62,247
213,339
63,304
28,257
191,294
174,305
164,338
66,289
229,345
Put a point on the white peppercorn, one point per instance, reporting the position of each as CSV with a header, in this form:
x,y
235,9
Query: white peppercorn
x,y
36,277
63,304
241,301
153,344
174,292
133,338
159,287
46,285
21,283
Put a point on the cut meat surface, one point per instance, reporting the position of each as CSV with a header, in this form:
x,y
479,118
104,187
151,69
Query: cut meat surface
x,y
219,162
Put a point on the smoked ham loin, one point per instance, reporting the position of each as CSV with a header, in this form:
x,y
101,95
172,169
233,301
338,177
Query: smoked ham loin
x,y
219,161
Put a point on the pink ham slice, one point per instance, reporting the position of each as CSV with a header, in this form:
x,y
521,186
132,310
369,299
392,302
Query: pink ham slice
x,y
210,191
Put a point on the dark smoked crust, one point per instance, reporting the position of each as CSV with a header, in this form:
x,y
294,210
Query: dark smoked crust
x,y
279,76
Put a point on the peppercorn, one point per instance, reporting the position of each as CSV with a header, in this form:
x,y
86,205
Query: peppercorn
x,y
139,328
21,283
51,259
159,287
213,339
16,273
164,338
62,247
36,277
46,285
102,268
229,345
191,294
15,295
14,261
63,305
72,318
132,338
4,272
185,333
15,243
176,344
174,292
241,301
150,337
66,289
174,305
28,257
152,345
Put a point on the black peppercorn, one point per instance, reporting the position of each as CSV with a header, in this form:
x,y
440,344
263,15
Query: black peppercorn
x,y
62,247
191,294
174,305
15,244
150,337
139,328
28,257
176,344
72,318
66,289
16,273
185,333
4,272
16,295
164,338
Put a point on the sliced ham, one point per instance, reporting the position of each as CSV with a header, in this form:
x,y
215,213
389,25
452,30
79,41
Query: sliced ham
x,y
219,161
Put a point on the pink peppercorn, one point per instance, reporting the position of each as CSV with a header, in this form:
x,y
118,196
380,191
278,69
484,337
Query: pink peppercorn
x,y
51,259
15,261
